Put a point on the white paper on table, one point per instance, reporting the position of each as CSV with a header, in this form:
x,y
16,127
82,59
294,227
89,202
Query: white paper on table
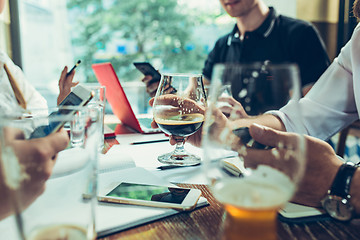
x,y
115,159
71,159
143,138
110,218
117,217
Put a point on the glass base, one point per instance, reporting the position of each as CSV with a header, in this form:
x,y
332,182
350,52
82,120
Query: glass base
x,y
179,160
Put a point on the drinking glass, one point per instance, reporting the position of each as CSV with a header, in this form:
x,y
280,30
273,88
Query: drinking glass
x,y
178,109
98,102
77,130
251,191
64,209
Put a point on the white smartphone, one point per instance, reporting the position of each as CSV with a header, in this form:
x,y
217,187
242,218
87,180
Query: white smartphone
x,y
79,96
183,199
296,212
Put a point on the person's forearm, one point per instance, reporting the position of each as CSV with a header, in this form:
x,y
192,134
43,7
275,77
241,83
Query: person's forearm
x,y
265,120
5,208
355,191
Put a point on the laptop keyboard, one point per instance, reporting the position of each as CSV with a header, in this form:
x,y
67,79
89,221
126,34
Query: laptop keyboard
x,y
146,122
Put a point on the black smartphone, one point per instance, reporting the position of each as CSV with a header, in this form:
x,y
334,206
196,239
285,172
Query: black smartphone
x,y
147,69
244,134
79,96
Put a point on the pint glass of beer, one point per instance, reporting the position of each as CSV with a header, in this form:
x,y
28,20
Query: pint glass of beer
x,y
49,189
252,179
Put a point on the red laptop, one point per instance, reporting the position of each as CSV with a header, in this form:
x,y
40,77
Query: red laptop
x,y
116,97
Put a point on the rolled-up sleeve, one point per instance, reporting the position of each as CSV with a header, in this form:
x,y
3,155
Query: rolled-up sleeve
x,y
330,105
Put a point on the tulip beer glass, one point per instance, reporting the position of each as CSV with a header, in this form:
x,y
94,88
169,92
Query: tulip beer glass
x,y
178,108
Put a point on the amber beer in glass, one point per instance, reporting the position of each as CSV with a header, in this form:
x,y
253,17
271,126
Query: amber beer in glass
x,y
248,218
252,180
250,224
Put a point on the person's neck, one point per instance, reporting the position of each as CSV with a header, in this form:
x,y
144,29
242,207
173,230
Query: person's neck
x,y
253,19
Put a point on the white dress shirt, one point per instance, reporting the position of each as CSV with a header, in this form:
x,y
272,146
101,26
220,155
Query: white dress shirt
x,y
8,102
334,101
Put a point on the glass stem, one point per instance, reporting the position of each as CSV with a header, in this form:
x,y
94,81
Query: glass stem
x,y
179,152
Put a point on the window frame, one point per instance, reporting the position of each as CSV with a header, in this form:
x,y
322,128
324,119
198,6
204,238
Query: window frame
x,y
15,32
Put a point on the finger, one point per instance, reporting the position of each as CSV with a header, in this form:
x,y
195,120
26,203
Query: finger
x,y
152,87
58,141
154,124
152,94
147,78
151,102
271,137
169,99
225,99
230,100
73,84
67,83
172,140
70,77
226,110
63,77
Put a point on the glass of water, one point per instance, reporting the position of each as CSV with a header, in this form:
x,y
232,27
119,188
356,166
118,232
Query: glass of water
x,y
65,208
98,103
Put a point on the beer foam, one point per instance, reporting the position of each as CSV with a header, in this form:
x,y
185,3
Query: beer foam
x,y
264,187
68,232
181,119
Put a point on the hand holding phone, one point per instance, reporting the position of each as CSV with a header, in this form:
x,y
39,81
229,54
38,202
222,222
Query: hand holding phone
x,y
147,69
183,199
79,96
244,134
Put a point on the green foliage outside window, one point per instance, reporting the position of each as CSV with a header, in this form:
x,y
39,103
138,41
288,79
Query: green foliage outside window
x,y
162,30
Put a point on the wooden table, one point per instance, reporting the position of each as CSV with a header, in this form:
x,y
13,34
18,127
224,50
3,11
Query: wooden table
x,y
207,223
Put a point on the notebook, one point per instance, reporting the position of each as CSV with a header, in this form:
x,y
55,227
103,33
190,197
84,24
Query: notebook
x,y
116,97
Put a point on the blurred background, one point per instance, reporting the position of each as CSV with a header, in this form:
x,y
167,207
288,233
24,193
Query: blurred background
x,y
42,36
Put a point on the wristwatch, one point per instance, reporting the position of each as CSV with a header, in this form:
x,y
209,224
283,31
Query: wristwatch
x,y
337,202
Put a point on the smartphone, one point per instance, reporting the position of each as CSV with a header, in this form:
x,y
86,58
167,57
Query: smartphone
x,y
293,212
79,96
183,199
147,69
244,134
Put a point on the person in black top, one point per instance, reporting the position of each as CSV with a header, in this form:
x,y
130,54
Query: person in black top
x,y
261,34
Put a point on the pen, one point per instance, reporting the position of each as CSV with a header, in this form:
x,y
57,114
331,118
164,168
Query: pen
x,y
152,141
166,167
73,68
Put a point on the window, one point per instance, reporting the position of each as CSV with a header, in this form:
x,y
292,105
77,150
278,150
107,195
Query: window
x,y
174,35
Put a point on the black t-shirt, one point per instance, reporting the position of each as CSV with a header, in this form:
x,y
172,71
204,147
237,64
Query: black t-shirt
x,y
279,39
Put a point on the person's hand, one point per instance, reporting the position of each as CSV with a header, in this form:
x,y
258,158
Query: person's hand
x,y
151,86
231,108
179,104
321,166
36,158
194,139
65,84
